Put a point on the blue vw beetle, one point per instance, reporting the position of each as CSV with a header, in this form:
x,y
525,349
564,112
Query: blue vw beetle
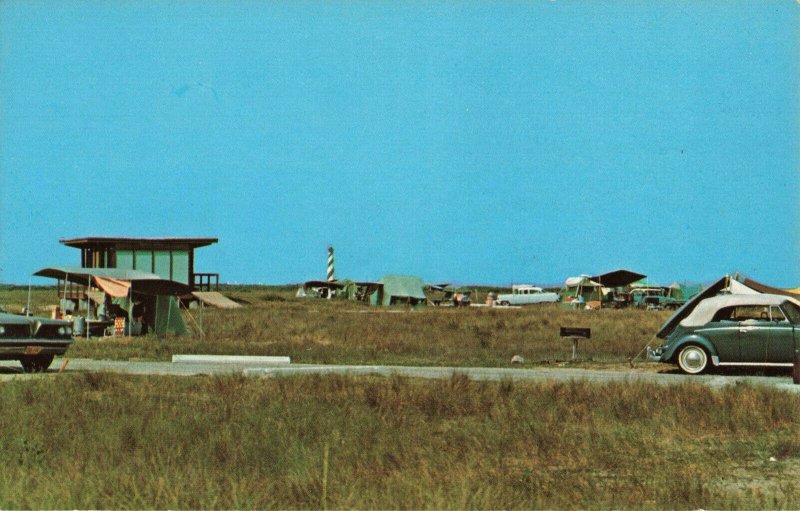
x,y
731,330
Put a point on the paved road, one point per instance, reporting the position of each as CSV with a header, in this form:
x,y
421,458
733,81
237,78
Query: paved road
x,y
11,370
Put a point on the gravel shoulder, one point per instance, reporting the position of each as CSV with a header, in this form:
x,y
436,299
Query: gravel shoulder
x,y
644,373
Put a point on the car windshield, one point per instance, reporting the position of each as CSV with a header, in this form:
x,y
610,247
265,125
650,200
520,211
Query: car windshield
x,y
792,311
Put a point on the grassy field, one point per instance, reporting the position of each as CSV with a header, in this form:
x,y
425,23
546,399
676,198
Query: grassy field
x,y
273,322
108,441
97,440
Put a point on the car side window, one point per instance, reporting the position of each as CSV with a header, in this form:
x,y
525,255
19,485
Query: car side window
x,y
792,311
777,315
752,312
724,314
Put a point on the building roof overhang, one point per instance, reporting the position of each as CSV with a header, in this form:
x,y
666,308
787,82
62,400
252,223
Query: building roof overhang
x,y
138,243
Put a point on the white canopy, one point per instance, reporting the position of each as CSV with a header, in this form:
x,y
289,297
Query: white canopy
x,y
582,280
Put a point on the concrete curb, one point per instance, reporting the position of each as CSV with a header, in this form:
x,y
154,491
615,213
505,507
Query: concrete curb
x,y
229,359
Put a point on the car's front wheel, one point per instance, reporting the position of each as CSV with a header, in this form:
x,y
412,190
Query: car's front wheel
x,y
36,363
693,359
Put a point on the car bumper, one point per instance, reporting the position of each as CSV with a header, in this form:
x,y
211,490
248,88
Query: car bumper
x,y
11,350
654,355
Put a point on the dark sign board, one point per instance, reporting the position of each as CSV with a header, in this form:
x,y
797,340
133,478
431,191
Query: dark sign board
x,y
568,331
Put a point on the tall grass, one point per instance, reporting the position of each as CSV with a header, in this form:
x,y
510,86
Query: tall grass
x,y
106,441
273,322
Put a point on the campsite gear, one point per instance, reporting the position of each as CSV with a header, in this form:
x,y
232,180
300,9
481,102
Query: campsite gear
x,y
153,295
79,326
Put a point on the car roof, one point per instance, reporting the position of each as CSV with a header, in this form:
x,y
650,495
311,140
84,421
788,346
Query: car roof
x,y
706,309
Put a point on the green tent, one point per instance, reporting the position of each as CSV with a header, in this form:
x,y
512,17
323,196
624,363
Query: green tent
x,y
400,289
581,290
161,313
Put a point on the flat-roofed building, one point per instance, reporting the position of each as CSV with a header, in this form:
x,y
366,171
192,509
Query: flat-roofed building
x,y
169,258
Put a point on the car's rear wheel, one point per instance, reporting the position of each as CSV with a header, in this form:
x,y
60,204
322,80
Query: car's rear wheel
x,y
693,359
36,363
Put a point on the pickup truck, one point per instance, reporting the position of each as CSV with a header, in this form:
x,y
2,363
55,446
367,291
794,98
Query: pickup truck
x,y
524,294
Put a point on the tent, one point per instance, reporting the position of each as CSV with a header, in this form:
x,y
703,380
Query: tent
x,y
763,288
593,290
140,294
399,289
352,290
361,291
581,289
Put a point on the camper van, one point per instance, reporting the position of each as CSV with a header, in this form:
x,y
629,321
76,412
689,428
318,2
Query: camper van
x,y
525,294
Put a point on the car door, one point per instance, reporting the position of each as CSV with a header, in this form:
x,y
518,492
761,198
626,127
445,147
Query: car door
x,y
780,348
753,340
724,336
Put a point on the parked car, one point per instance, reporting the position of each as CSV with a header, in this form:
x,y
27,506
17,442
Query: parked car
x,y
449,296
657,298
731,330
649,297
32,340
524,294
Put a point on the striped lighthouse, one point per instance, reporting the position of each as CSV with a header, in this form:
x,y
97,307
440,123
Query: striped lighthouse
x,y
331,274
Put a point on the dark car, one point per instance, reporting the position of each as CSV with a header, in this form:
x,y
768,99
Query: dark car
x,y
33,341
732,330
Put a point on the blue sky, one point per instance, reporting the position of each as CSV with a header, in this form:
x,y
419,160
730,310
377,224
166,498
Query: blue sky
x,y
473,142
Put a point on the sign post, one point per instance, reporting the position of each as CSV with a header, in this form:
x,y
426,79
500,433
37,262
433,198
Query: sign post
x,y
576,333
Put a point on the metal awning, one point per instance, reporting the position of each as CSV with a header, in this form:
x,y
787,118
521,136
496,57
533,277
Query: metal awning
x,y
617,278
141,282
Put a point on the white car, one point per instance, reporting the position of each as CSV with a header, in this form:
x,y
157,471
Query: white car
x,y
524,294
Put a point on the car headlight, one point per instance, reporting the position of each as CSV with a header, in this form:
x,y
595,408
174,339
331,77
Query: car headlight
x,y
2,330
62,330
69,330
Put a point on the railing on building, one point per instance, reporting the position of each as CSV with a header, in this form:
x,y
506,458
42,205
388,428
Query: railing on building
x,y
71,291
206,281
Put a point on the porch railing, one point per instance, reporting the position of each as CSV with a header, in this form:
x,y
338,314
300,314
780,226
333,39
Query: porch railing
x,y
206,281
